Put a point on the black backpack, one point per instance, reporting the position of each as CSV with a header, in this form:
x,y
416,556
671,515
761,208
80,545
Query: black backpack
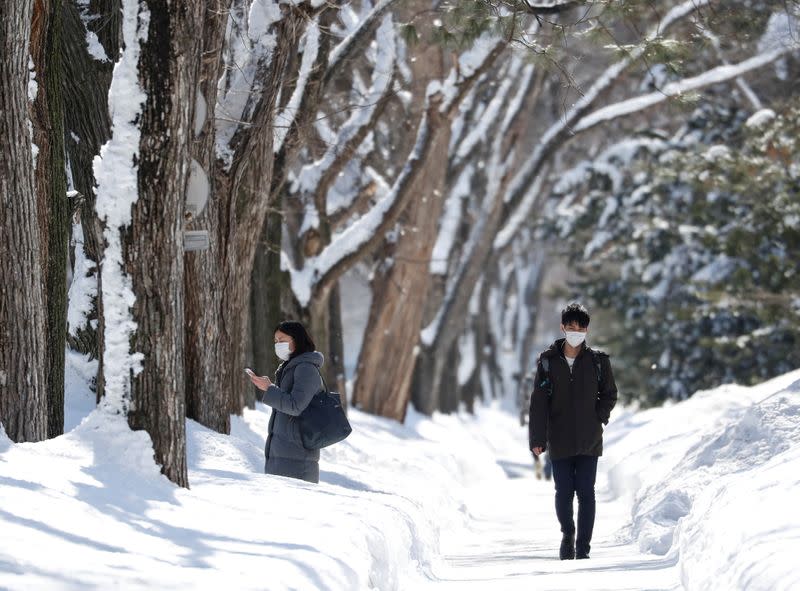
x,y
547,385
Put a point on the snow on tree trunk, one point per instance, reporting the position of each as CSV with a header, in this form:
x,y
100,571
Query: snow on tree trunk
x,y
142,175
86,80
23,348
168,69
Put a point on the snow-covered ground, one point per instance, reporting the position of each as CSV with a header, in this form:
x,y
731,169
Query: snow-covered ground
x,y
698,495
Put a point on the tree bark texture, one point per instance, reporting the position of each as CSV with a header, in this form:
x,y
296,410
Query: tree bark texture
x,y
23,346
154,241
207,368
51,188
269,286
400,294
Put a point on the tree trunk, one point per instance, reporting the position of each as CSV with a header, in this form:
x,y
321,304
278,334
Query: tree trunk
x,y
23,349
85,86
168,67
451,391
455,311
400,295
219,282
269,285
51,188
335,367
400,285
208,371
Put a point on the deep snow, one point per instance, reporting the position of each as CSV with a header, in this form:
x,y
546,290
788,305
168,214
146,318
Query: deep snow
x,y
697,495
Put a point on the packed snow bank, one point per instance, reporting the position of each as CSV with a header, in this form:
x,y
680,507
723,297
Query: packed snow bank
x,y
713,484
90,509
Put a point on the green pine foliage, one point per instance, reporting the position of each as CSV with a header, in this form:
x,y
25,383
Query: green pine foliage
x,y
694,244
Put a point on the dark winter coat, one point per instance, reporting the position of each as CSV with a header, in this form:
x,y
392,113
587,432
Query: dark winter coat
x,y
568,412
298,381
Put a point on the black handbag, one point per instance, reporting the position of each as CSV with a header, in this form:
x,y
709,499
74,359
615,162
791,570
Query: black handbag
x,y
323,422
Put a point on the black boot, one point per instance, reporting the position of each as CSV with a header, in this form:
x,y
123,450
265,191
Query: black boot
x,y
567,551
582,552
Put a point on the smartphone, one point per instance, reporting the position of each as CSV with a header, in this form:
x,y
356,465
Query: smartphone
x,y
249,371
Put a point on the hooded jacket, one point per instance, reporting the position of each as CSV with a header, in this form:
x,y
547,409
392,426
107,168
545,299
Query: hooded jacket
x,y
569,408
297,381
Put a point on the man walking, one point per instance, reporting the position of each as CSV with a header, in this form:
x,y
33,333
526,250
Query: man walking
x,y
574,392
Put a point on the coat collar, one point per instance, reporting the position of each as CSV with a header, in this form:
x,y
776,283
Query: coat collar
x,y
314,358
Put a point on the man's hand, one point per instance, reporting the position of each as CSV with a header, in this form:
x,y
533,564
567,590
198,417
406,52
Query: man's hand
x,y
537,451
260,382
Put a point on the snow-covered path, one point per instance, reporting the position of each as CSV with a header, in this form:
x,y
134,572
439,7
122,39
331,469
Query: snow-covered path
x,y
511,542
699,495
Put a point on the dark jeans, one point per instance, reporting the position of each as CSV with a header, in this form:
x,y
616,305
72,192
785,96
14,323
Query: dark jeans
x,y
576,475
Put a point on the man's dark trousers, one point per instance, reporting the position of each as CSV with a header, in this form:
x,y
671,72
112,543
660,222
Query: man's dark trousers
x,y
573,475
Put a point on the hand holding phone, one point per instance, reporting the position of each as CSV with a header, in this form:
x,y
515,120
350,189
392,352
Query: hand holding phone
x,y
262,383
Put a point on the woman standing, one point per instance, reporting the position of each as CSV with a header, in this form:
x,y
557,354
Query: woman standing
x,y
297,381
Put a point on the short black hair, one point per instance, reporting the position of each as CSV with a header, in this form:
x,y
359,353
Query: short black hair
x,y
302,340
575,312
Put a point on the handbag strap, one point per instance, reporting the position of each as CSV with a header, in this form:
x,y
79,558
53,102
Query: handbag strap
x,y
323,380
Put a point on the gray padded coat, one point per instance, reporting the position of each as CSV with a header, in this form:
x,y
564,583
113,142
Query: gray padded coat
x,y
298,381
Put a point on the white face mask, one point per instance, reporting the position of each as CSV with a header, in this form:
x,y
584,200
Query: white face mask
x,y
282,351
575,338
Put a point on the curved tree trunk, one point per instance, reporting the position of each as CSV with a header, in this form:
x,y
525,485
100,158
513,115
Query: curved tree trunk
x,y
23,350
400,295
153,248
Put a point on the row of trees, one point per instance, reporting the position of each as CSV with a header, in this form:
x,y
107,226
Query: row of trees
x,y
301,140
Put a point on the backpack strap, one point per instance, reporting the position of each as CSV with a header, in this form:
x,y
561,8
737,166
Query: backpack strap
x,y
598,365
545,383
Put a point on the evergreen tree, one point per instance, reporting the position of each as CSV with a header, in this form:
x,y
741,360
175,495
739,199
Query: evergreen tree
x,y
695,247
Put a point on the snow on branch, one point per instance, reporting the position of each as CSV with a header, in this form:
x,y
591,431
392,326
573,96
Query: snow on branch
x,y
311,176
676,89
748,92
530,167
251,40
368,229
496,170
450,221
550,6
284,120
515,222
479,131
350,44
471,65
